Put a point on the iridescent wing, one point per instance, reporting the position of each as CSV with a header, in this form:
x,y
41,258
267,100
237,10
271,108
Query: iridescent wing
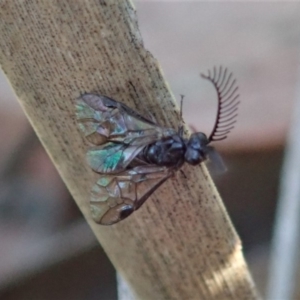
x,y
116,197
103,120
119,132
112,158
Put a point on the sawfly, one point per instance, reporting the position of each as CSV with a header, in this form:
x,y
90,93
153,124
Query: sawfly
x,y
135,155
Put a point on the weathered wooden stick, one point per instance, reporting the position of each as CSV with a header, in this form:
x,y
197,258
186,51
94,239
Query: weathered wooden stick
x,y
181,243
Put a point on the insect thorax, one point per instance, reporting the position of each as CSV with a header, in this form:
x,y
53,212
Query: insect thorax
x,y
167,152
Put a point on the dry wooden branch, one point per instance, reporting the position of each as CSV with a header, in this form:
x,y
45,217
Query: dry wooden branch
x,y
181,243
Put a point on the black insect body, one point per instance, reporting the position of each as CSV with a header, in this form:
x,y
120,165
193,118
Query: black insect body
x,y
135,155
168,152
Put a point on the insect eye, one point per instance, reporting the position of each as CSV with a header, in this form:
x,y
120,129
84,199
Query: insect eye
x,y
197,140
194,157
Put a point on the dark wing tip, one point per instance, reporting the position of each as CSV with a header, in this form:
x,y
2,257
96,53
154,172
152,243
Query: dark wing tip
x,y
227,93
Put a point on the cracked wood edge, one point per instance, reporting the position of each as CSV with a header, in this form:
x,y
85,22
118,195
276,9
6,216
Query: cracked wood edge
x,y
181,243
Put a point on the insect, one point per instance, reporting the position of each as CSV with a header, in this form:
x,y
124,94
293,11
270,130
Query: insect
x,y
135,155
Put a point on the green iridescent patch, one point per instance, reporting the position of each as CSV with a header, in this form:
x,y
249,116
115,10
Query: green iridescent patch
x,y
106,158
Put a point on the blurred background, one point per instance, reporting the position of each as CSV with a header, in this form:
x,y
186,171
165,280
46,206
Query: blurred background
x,y
46,247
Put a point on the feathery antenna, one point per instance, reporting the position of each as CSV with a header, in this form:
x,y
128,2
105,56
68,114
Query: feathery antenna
x,y
227,92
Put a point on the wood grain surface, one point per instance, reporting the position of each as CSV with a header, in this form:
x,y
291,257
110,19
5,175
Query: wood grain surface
x,y
181,243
